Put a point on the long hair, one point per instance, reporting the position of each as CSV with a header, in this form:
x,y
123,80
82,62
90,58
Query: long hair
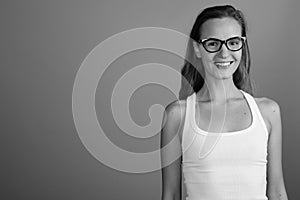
x,y
192,80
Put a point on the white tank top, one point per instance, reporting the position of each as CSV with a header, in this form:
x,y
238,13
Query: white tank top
x,y
234,167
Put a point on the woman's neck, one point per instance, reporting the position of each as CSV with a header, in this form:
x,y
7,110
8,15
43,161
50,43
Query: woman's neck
x,y
218,91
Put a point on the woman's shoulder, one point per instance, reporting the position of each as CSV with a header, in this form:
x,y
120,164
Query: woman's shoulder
x,y
176,110
174,117
269,109
267,105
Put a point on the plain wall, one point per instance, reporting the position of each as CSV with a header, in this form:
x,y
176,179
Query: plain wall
x,y
43,44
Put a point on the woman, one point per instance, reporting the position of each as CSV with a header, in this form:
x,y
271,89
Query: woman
x,y
229,140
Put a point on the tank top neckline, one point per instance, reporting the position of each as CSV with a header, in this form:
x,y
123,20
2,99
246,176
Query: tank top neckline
x,y
229,133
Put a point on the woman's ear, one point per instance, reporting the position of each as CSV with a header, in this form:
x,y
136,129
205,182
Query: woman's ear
x,y
196,49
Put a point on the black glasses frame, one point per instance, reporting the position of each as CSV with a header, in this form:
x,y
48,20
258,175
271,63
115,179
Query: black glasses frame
x,y
222,42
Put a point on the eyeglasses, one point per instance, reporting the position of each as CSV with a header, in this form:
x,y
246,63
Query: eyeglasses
x,y
213,45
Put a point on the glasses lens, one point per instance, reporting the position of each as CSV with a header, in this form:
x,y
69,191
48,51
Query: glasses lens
x,y
235,44
212,45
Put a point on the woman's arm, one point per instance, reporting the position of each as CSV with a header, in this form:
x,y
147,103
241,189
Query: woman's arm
x,y
275,188
171,174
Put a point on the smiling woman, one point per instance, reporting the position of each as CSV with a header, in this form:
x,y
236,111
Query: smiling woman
x,y
216,104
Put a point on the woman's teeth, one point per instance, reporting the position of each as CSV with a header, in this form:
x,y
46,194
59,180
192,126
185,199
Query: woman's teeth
x,y
223,64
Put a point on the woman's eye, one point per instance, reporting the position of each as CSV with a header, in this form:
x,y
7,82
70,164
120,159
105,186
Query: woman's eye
x,y
236,42
212,44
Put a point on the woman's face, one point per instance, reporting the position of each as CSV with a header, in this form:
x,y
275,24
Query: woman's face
x,y
221,64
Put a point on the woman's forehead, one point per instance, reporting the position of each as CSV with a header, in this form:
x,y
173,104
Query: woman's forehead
x,y
221,28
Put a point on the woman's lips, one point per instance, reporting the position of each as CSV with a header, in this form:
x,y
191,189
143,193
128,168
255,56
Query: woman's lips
x,y
223,64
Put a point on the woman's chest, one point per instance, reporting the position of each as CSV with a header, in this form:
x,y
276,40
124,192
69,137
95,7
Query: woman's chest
x,y
226,118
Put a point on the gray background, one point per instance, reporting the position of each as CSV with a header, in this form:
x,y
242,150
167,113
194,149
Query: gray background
x,y
43,44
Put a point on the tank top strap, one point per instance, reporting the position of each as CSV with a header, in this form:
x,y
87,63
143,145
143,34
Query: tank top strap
x,y
187,135
257,116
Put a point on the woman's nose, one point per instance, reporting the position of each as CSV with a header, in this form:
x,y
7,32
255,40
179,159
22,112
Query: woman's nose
x,y
224,51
